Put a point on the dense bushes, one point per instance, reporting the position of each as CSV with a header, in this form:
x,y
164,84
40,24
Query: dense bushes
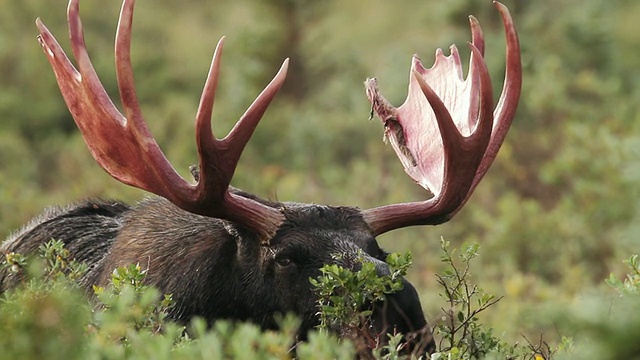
x,y
48,316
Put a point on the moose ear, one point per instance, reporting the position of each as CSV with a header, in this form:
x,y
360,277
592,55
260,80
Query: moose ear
x,y
447,133
272,204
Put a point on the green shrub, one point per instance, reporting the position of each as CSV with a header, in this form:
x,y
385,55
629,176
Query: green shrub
x,y
460,333
48,316
606,326
630,285
342,292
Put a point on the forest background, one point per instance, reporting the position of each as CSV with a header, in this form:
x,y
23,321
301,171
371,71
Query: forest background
x,y
555,215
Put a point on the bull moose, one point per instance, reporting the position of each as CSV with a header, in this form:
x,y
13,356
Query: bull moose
x,y
225,253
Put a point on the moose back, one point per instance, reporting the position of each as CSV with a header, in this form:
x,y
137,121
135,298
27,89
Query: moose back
x,y
227,254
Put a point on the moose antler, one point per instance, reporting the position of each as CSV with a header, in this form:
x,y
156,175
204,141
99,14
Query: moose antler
x,y
446,133
124,146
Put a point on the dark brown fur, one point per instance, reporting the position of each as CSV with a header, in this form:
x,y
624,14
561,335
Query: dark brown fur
x,y
216,269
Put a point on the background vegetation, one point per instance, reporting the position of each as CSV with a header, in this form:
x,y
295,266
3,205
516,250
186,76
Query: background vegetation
x,y
555,216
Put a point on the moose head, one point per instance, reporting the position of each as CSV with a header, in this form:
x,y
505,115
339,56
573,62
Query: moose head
x,y
224,253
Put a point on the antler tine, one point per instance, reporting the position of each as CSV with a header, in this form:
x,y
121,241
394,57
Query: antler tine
x,y
446,133
124,146
508,103
231,146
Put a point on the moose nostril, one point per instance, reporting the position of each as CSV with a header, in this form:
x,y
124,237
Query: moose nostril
x,y
382,268
401,312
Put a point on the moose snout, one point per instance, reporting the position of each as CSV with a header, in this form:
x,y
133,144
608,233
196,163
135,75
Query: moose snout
x,y
401,313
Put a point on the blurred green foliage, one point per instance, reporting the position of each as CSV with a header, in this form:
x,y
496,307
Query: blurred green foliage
x,y
555,215
128,319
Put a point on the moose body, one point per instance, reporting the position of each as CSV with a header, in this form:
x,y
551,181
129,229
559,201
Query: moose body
x,y
223,253
216,269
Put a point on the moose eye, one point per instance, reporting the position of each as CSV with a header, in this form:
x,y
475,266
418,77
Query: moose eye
x,y
284,261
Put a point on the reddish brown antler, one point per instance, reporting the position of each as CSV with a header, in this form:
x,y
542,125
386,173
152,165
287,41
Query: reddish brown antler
x,y
446,133
124,146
